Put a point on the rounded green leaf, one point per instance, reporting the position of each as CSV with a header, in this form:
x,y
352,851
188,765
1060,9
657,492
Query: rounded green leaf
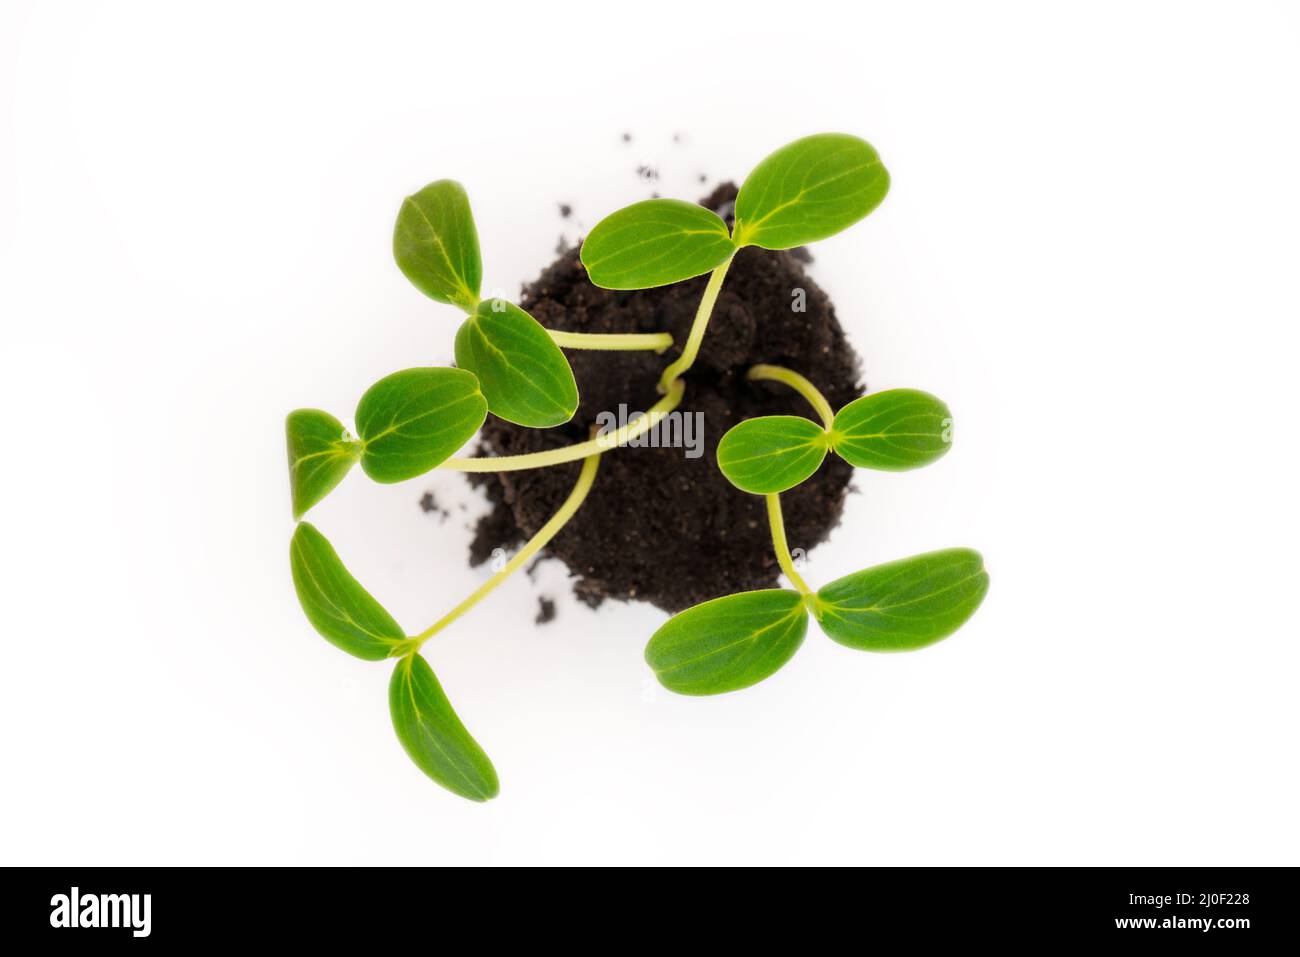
x,y
654,243
435,244
808,190
772,453
320,454
523,373
906,604
433,735
335,603
894,431
413,420
728,643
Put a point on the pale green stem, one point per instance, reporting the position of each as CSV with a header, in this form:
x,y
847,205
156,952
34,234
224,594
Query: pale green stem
x,y
794,380
535,544
702,314
571,453
782,547
613,341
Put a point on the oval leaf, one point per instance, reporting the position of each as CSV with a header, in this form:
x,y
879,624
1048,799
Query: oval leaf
x,y
335,603
320,454
654,243
808,190
523,373
435,244
894,431
433,735
906,604
413,420
728,643
772,453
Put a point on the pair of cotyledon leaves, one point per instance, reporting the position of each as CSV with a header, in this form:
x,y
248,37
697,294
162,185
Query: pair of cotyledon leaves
x,y
807,190
349,617
521,371
407,423
736,641
893,431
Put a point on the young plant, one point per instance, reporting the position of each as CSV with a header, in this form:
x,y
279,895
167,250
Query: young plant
x,y
522,372
349,617
509,365
892,431
804,192
407,424
738,640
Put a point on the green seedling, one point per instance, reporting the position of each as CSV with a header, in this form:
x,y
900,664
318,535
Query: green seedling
x,y
407,423
738,640
891,431
521,370
415,420
350,618
804,192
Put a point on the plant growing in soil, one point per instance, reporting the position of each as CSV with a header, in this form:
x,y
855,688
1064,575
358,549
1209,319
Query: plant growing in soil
x,y
510,365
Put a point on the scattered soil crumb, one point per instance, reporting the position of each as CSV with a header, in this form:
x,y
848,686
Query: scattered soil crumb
x,y
496,529
430,504
566,210
545,610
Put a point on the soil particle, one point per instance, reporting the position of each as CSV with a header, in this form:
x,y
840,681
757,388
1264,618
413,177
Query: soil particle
x,y
545,610
430,504
659,526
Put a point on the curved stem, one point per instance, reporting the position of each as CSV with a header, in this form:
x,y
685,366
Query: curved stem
x,y
612,341
702,314
782,547
766,373
535,544
571,453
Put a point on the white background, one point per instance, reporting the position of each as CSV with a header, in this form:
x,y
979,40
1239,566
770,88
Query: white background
x,y
1090,250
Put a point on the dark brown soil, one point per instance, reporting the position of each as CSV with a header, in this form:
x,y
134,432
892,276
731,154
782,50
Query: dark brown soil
x,y
657,526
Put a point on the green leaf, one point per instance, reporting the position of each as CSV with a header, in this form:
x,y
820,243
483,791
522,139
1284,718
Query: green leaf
x,y
335,603
413,420
654,243
772,453
906,604
435,244
728,643
320,455
895,431
433,736
808,190
523,373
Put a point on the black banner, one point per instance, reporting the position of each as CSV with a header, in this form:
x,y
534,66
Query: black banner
x,y
1224,908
